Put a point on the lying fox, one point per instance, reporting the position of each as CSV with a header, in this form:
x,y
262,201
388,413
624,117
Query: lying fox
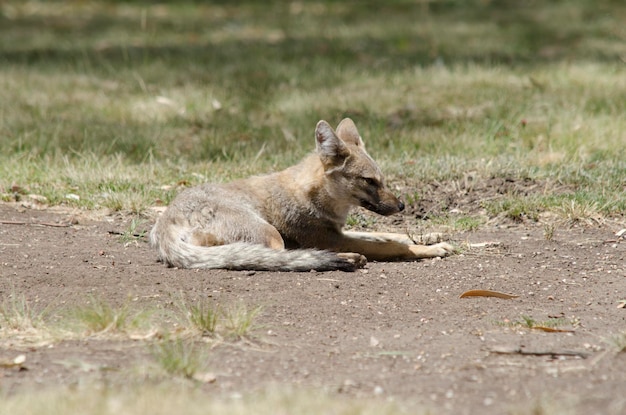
x,y
291,220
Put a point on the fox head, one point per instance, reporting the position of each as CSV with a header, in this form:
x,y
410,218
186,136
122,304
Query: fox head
x,y
351,174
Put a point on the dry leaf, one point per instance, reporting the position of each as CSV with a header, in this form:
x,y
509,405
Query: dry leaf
x,y
17,362
18,189
552,329
374,342
205,377
487,293
165,101
146,336
72,196
494,244
37,198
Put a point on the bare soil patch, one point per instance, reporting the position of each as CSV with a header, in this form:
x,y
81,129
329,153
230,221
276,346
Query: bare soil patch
x,y
393,330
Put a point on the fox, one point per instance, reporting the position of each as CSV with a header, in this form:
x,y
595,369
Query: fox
x,y
291,220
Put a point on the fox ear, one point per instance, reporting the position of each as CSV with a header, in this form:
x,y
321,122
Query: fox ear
x,y
346,130
330,148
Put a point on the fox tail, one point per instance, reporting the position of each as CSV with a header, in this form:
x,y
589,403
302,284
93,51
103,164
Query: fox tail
x,y
175,251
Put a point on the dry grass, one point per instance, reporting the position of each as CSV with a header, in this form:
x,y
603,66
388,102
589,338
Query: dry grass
x,y
98,317
173,398
179,357
618,341
17,314
24,323
233,322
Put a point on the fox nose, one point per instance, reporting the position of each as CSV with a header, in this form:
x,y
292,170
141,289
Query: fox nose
x,y
400,206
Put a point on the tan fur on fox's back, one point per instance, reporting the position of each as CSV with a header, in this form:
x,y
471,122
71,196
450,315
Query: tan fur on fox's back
x,y
290,220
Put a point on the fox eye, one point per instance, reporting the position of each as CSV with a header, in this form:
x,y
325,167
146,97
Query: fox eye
x,y
370,181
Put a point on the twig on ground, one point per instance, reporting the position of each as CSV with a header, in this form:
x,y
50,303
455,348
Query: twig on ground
x,y
16,222
553,353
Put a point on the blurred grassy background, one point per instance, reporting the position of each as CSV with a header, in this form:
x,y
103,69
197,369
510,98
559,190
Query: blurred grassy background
x,y
191,91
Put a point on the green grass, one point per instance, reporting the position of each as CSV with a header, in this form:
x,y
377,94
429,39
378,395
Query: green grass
x,y
122,104
133,233
517,208
457,223
357,219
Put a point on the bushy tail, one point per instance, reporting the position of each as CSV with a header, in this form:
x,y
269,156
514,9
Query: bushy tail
x,y
174,251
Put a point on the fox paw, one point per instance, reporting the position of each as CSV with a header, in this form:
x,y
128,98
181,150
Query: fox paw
x,y
431,251
442,249
358,260
428,238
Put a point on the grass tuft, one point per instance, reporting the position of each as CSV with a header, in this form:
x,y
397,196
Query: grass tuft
x,y
178,357
236,321
457,223
98,316
18,315
549,230
202,316
515,208
240,320
618,342
133,233
575,211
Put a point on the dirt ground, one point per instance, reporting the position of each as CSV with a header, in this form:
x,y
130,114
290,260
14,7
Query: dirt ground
x,y
391,331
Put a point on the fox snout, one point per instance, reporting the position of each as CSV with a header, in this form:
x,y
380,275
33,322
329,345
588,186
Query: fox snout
x,y
384,203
